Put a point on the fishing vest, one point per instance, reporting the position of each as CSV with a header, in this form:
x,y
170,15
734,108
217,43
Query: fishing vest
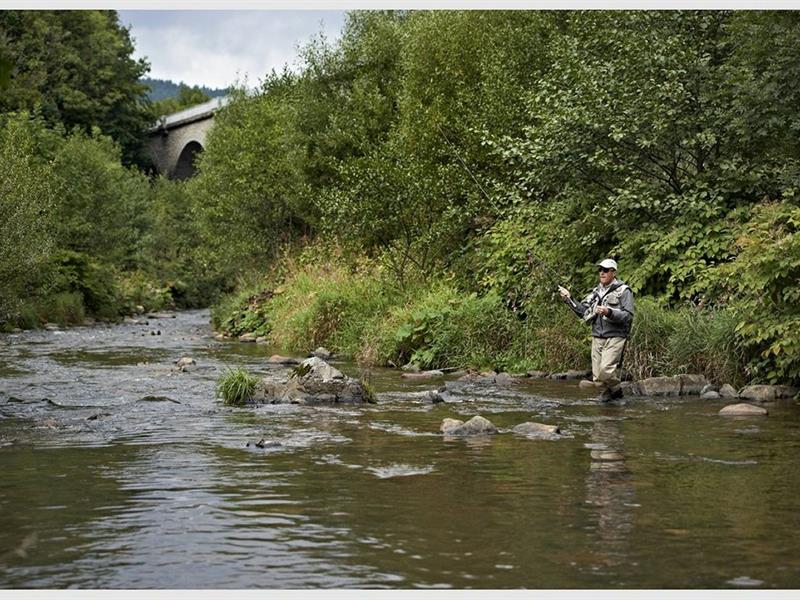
x,y
611,299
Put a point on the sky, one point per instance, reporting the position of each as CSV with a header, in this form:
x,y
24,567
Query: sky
x,y
216,48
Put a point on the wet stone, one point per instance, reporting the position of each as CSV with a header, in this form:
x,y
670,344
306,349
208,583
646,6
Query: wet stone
x,y
743,410
692,385
659,386
728,391
477,425
277,359
423,374
570,375
538,430
322,353
429,396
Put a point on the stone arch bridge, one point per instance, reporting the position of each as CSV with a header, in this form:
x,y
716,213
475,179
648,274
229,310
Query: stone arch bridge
x,y
175,141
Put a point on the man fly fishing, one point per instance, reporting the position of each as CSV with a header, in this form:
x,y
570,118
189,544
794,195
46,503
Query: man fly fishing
x,y
609,308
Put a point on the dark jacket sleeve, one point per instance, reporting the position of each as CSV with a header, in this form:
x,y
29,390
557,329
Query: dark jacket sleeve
x,y
623,314
579,308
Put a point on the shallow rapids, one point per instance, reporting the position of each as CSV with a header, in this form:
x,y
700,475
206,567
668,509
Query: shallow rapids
x,y
120,471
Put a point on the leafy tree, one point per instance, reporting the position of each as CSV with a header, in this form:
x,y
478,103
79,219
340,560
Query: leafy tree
x,y
102,206
77,67
26,199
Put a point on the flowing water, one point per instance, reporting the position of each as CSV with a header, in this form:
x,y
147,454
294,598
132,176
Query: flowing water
x,y
118,471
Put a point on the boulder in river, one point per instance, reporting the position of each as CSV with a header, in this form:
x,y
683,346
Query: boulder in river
x,y
538,374
659,386
322,353
429,396
630,388
477,425
728,391
587,384
183,363
248,337
692,384
743,410
538,431
767,393
314,381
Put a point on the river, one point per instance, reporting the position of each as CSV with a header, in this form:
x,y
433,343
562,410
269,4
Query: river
x,y
119,471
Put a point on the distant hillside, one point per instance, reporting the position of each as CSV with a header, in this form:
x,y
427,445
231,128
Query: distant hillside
x,y
161,89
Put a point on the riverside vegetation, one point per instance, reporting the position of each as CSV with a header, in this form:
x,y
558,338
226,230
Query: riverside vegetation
x,y
415,190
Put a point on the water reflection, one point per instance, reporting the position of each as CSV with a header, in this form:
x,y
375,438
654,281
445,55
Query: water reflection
x,y
610,493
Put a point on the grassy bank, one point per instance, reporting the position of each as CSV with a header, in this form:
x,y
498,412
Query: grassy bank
x,y
360,313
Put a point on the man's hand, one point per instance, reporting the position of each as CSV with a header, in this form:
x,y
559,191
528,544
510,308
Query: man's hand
x,y
602,310
564,293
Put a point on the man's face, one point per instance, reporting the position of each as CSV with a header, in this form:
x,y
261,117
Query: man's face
x,y
606,275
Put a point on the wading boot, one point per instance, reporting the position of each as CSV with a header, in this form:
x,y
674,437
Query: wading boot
x,y
605,396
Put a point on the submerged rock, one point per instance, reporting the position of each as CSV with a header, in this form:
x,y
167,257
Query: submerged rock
x,y
157,399
314,381
571,375
423,374
587,384
743,410
263,443
432,396
477,425
710,395
538,430
277,359
505,379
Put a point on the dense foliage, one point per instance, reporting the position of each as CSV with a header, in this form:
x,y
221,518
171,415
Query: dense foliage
x,y
75,68
417,189
499,153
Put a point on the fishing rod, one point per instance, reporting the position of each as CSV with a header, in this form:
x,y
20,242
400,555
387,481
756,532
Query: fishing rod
x,y
463,164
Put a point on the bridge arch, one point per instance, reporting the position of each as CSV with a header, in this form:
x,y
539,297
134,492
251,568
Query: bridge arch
x,y
185,167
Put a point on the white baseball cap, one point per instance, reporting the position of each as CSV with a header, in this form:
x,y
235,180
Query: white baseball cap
x,y
608,263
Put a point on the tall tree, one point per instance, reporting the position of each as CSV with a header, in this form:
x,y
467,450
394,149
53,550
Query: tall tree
x,y
76,67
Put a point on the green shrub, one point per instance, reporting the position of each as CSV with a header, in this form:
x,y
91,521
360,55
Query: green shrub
x,y
689,339
764,288
64,308
236,386
139,289
77,272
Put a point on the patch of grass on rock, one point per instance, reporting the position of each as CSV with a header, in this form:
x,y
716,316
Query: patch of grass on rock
x,y
236,386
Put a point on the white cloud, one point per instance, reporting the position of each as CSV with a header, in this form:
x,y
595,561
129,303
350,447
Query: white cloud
x,y
217,48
